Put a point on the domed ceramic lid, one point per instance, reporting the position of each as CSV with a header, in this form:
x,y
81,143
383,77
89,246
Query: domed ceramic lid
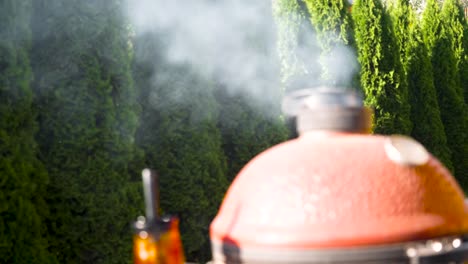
x,y
332,190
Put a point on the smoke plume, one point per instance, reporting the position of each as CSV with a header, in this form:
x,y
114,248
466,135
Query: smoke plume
x,y
233,41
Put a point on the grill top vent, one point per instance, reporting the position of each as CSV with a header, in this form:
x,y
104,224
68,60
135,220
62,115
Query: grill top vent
x,y
328,109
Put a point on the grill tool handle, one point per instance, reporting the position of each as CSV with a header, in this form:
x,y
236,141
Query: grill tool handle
x,y
151,193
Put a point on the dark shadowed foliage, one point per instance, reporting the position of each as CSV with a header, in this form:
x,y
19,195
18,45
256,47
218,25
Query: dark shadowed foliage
x,y
23,179
438,40
425,113
88,115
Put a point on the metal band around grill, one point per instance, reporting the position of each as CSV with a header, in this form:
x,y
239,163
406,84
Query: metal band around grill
x,y
449,250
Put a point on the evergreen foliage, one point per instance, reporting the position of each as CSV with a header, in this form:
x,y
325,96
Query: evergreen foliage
x,y
331,20
179,135
297,45
404,25
23,179
88,116
425,114
456,25
333,25
382,77
246,130
431,25
464,62
437,38
69,160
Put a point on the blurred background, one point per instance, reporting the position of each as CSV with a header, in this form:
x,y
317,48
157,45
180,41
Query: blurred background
x,y
91,92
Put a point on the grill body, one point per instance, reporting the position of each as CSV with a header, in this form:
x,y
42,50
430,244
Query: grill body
x,y
332,196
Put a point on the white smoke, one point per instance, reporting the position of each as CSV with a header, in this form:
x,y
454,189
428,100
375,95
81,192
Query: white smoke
x,y
233,41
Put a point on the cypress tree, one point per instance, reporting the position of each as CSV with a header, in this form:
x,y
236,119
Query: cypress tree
x,y
456,25
464,62
23,237
331,20
88,116
437,39
179,135
431,25
404,25
425,113
298,49
333,25
246,129
381,75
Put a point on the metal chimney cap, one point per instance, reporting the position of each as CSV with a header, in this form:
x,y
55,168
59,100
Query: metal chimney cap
x,y
328,109
320,98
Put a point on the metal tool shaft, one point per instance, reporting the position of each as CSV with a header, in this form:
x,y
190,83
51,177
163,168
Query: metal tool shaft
x,y
151,193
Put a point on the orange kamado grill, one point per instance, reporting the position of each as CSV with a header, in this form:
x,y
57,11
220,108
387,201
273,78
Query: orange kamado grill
x,y
337,194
